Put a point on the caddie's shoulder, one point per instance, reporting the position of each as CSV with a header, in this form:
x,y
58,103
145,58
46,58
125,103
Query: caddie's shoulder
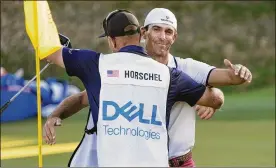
x,y
72,50
75,51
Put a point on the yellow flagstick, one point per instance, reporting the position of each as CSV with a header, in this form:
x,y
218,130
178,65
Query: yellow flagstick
x,y
43,34
39,121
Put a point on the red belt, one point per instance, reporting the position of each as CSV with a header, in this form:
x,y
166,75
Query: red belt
x,y
180,160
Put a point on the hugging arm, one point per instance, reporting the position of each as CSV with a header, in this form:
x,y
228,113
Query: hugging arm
x,y
69,106
193,93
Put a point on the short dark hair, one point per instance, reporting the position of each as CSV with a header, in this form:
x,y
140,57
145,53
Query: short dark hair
x,y
147,27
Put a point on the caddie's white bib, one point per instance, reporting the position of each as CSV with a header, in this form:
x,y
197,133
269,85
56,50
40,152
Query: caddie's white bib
x,y
131,128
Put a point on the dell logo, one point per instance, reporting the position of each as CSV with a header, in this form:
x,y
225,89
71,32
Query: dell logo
x,y
127,111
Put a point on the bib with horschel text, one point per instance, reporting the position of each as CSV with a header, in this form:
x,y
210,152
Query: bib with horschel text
x,y
131,128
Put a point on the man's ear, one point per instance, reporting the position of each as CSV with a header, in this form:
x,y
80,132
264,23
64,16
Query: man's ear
x,y
143,32
174,37
112,42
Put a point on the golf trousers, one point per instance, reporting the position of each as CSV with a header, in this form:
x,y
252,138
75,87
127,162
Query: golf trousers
x,y
188,163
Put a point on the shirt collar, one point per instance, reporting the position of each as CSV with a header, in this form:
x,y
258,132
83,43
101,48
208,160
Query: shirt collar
x,y
171,61
134,48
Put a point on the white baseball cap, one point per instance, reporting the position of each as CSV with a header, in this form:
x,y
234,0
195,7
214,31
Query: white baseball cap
x,y
161,16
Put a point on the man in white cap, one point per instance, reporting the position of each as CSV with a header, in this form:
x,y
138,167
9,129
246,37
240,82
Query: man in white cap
x,y
160,32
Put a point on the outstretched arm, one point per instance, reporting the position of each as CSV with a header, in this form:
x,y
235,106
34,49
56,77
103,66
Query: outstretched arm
x,y
234,75
65,109
193,93
71,105
56,57
200,72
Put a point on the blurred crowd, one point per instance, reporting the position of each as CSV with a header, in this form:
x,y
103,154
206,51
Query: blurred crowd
x,y
53,91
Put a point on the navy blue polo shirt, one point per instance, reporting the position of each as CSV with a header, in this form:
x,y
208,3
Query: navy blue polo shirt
x,y
84,64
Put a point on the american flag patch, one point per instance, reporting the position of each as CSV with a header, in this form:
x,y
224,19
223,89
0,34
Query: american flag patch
x,y
112,73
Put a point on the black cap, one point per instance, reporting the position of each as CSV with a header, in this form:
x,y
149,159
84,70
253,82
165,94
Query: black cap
x,y
115,23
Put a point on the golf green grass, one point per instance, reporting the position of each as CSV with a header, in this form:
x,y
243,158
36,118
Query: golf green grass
x,y
242,133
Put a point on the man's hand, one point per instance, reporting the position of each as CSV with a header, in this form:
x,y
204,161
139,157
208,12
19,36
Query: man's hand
x,y
204,112
49,134
239,70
